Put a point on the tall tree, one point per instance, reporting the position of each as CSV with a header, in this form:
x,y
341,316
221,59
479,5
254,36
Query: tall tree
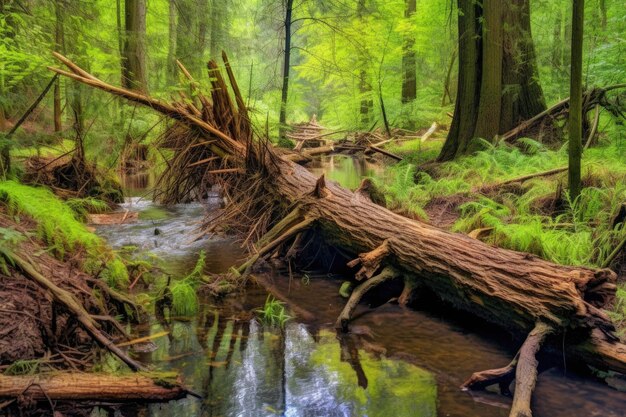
x,y
576,101
286,66
497,80
219,24
409,69
134,72
171,44
59,46
409,61
365,87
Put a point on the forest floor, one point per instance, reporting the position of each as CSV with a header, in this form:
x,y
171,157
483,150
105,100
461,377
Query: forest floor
x,y
476,195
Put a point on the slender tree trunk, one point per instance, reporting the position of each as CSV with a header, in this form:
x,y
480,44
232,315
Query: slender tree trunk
x,y
219,17
171,46
286,67
134,73
204,15
465,109
488,119
59,47
409,69
576,89
365,88
5,148
603,17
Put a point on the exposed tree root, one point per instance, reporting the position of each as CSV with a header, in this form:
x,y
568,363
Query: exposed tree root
x,y
526,370
408,291
523,368
293,224
370,261
344,318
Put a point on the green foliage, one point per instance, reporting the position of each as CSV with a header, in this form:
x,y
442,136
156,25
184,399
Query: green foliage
x,y
83,206
23,367
273,312
184,299
115,273
57,224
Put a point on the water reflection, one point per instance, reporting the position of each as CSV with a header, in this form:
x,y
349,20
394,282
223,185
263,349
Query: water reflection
x,y
247,370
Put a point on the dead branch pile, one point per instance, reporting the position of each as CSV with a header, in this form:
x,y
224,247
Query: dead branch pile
x,y
308,135
70,176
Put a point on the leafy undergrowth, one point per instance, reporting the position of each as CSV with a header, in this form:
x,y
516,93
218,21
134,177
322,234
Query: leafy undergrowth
x,y
59,226
534,216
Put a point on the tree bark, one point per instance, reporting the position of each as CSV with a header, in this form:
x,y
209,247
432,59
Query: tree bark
x,y
92,387
286,68
494,38
489,106
409,68
134,73
171,45
468,90
576,100
59,46
365,87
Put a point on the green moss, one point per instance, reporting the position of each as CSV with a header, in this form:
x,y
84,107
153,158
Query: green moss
x,y
57,224
115,274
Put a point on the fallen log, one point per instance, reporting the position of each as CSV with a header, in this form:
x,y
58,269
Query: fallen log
x,y
591,99
93,387
509,289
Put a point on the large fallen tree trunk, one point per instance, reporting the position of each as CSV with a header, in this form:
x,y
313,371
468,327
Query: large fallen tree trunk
x,y
92,387
279,200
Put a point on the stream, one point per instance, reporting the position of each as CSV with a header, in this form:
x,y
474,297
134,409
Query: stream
x,y
397,362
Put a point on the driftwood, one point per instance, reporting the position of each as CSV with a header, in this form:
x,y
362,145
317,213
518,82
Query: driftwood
x,y
93,387
509,289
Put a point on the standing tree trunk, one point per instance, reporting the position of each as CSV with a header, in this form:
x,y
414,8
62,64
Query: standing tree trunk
x,y
365,88
6,7
489,106
286,67
134,73
409,68
171,45
603,14
59,46
494,38
468,90
203,23
219,16
576,101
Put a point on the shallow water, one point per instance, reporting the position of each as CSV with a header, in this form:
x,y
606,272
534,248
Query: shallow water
x,y
397,361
